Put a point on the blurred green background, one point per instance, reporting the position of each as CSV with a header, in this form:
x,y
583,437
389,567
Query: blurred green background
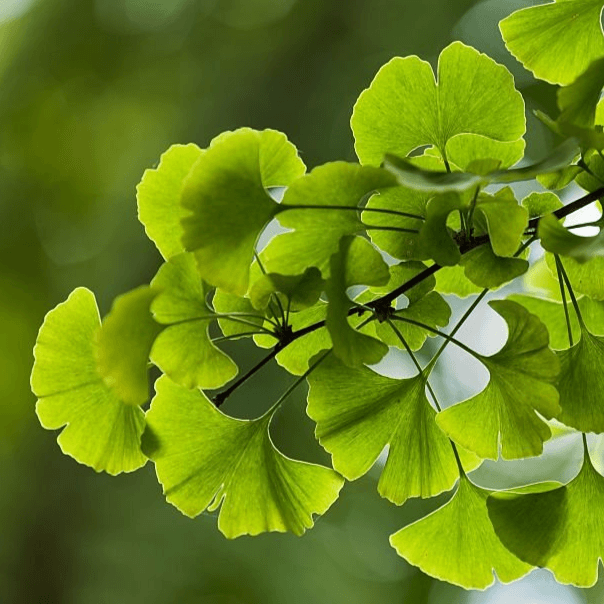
x,y
92,92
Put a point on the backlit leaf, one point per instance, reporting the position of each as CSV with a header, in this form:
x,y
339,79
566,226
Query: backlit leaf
x,y
99,430
206,459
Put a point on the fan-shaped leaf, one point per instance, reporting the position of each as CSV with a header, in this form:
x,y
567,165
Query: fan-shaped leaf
x,y
521,381
205,459
100,430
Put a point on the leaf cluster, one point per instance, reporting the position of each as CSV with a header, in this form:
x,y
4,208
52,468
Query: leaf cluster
x,y
359,259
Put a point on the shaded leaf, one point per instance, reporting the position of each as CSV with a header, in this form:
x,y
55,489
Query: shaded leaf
x,y
124,343
485,269
558,240
521,381
561,529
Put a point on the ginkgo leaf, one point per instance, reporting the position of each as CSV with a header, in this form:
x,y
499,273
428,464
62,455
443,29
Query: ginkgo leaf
x,y
560,179
466,149
399,244
585,277
593,178
231,304
124,343
561,529
503,219
300,291
435,236
581,384
356,263
556,41
578,101
457,543
316,232
405,108
421,179
227,203
452,280
205,460
158,198
359,412
538,204
521,381
484,268
100,430
559,240
184,350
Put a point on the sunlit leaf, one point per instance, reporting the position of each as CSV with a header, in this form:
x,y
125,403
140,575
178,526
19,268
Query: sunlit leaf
x,y
561,529
521,381
452,280
585,277
358,412
205,460
99,430
405,108
158,197
486,269
184,350
541,37
538,204
578,101
317,232
124,343
435,236
227,203
457,543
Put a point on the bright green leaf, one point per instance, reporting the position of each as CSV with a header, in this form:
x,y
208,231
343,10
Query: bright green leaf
x,y
228,204
124,343
457,543
435,236
358,412
558,240
561,529
452,280
578,102
100,430
230,304
205,460
538,204
317,232
521,381
404,108
560,179
581,384
467,149
184,350
485,269
158,198
585,277
556,41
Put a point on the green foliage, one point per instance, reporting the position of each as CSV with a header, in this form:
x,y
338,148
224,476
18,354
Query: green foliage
x,y
357,269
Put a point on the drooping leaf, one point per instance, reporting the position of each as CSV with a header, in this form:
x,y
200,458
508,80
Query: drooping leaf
x,y
581,384
317,232
124,343
457,543
435,236
486,269
356,263
561,529
359,412
503,219
227,203
521,381
158,198
205,460
99,430
405,108
559,240
421,179
560,179
300,291
541,38
585,277
467,149
578,101
184,350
